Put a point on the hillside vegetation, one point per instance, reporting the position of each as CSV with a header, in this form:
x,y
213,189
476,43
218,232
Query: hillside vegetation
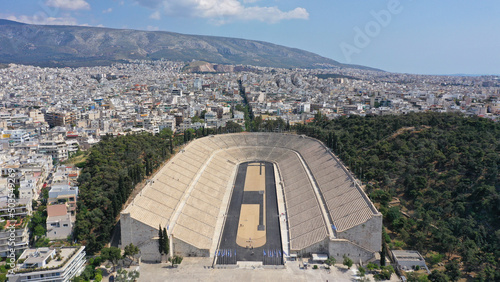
x,y
443,168
110,173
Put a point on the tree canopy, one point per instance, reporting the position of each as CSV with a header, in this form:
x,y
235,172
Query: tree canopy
x,y
114,166
444,168
112,254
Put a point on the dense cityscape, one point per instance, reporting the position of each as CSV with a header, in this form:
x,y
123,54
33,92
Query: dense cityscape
x,y
152,95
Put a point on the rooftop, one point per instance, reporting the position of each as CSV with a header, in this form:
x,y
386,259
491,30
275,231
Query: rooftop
x,y
407,255
53,258
56,210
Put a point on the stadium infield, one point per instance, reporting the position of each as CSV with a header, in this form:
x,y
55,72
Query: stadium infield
x,y
251,231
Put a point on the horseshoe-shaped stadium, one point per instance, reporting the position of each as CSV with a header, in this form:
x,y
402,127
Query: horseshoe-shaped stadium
x,y
321,208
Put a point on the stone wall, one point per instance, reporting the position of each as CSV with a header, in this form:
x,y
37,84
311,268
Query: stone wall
x,y
149,251
141,235
322,247
187,250
340,247
367,235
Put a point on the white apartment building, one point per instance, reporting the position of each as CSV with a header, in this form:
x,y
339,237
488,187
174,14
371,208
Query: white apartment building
x,y
37,116
72,146
56,148
59,224
19,222
28,189
17,136
45,264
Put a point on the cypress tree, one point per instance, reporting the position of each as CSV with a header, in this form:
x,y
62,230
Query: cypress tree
x,y
383,253
115,206
166,243
160,240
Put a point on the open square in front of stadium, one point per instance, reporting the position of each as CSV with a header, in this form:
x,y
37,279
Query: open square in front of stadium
x,y
199,269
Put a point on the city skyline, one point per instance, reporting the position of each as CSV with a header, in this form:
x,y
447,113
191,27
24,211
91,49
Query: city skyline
x,y
396,36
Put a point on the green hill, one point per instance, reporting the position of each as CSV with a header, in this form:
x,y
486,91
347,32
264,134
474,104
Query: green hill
x,y
443,168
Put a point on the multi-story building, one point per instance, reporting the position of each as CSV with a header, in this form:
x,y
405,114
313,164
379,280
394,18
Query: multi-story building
x,y
17,136
73,146
56,148
66,194
21,209
14,221
59,224
167,123
60,118
44,264
36,116
28,189
17,229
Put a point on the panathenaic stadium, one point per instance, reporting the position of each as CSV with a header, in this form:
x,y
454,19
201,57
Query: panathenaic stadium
x,y
318,206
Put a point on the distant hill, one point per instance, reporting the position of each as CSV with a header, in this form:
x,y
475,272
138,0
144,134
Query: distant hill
x,y
85,46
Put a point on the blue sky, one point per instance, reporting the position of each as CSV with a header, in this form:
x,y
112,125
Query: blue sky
x,y
426,37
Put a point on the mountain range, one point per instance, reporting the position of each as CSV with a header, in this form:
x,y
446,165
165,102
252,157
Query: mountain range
x,y
74,46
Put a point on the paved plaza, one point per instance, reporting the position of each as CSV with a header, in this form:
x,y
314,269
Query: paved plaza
x,y
199,269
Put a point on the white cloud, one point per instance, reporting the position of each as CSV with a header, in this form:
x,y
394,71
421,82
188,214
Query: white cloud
x,y
108,10
43,19
152,28
155,16
273,14
223,11
68,4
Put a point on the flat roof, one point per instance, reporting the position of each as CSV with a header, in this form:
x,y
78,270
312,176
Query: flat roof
x,y
407,255
57,210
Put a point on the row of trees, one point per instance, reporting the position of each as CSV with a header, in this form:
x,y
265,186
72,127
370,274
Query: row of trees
x,y
163,241
445,170
164,246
